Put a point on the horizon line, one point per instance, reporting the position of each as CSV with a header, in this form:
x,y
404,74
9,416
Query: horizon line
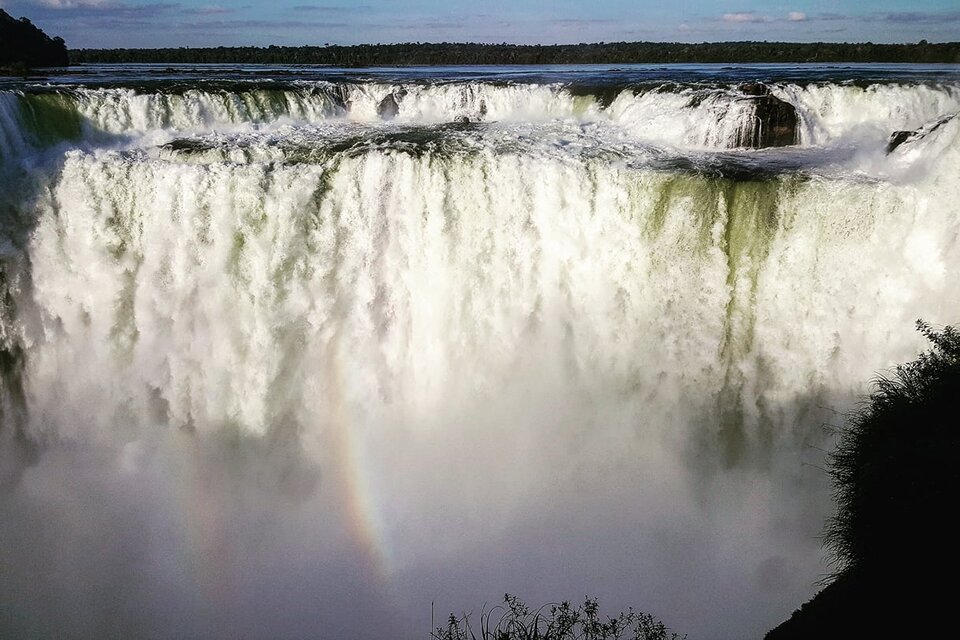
x,y
328,45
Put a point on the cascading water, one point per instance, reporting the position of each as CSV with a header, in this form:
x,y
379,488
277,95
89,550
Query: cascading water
x,y
279,364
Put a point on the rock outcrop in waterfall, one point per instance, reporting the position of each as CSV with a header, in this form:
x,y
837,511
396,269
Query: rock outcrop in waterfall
x,y
773,122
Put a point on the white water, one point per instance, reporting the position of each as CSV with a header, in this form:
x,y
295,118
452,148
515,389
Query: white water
x,y
692,117
282,397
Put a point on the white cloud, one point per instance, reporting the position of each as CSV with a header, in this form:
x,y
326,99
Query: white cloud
x,y
744,17
209,11
797,16
684,27
71,4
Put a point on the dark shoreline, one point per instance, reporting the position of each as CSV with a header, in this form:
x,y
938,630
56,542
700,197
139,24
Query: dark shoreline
x,y
426,54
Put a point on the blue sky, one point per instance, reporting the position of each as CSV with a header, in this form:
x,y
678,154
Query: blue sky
x,y
160,23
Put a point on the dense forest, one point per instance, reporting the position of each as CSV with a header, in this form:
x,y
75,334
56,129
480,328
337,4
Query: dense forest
x,y
470,53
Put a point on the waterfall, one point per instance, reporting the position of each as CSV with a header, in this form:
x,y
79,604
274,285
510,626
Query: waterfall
x,y
256,338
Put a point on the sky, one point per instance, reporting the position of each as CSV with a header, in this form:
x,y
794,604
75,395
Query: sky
x,y
165,23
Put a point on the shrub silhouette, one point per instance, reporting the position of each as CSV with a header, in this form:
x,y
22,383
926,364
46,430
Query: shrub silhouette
x,y
514,620
894,535
895,472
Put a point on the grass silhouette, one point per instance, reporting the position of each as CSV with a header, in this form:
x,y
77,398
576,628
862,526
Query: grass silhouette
x,y
514,620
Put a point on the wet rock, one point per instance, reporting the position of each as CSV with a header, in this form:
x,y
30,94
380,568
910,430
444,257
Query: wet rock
x,y
339,95
389,107
462,119
898,138
773,122
757,89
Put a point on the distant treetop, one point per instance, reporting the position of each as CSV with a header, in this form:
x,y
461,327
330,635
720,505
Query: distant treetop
x,y
451,53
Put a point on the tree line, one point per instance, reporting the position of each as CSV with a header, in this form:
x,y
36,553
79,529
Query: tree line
x,y
449,53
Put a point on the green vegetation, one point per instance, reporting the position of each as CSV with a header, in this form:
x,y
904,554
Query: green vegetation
x,y
488,54
515,621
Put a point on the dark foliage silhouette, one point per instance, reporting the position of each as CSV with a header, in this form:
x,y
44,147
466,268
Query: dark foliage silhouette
x,y
466,53
24,45
514,620
895,468
894,538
